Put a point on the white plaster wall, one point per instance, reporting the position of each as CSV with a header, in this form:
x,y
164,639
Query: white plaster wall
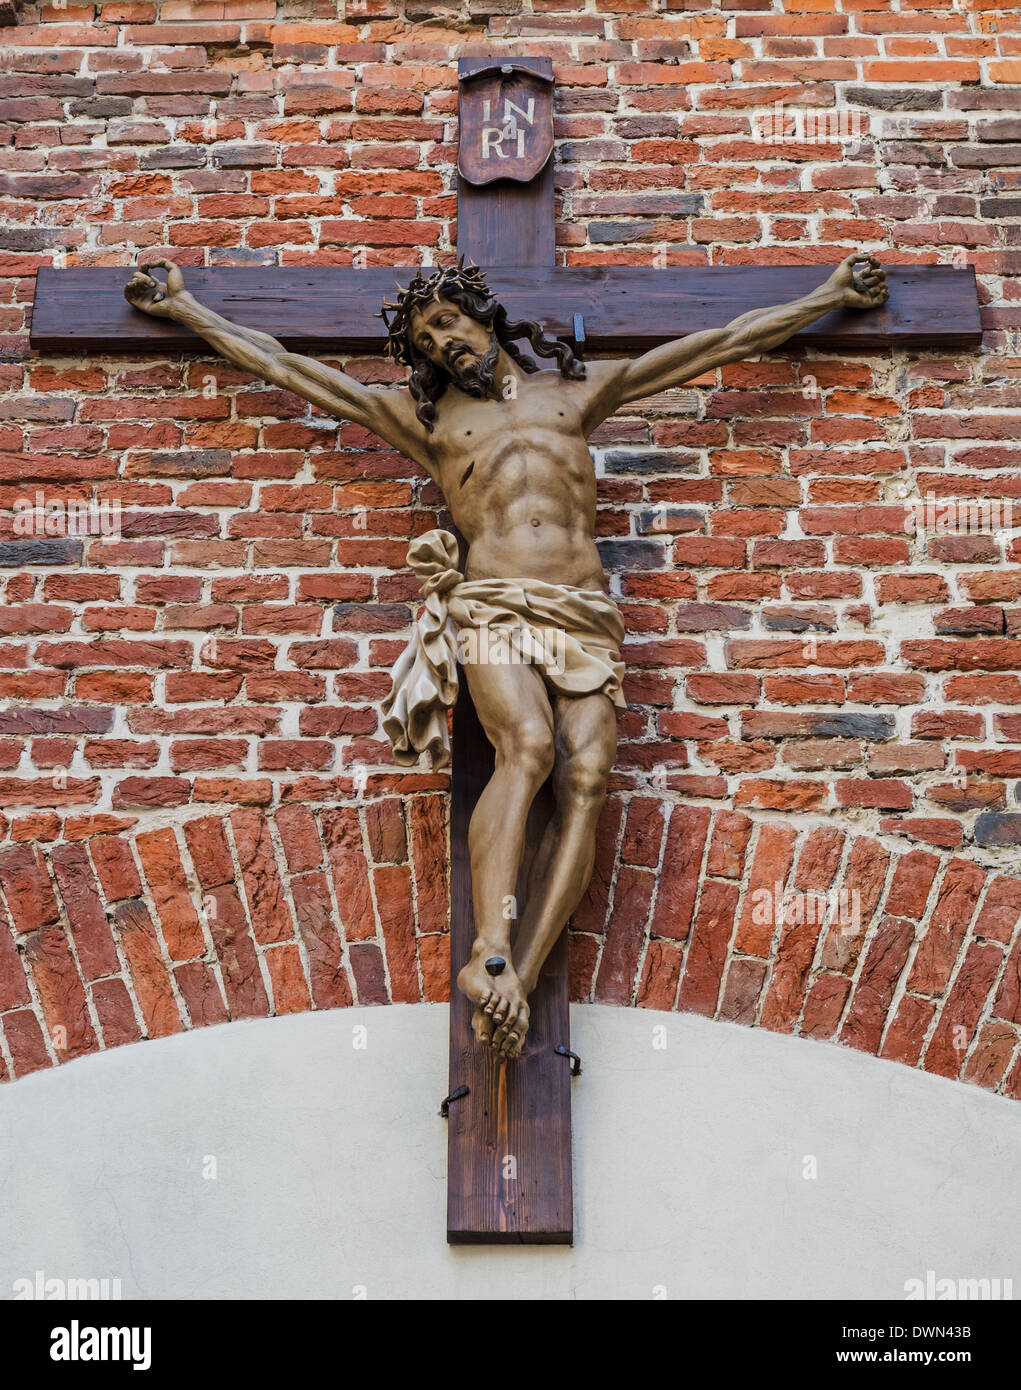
x,y
689,1164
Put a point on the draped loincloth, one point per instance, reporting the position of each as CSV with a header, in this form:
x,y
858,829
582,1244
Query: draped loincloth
x,y
571,635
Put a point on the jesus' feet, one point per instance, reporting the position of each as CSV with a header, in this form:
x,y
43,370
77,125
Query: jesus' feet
x,y
500,1020
506,1039
509,1037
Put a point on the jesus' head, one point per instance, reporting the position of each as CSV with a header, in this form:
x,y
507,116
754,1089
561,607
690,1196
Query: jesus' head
x,y
449,329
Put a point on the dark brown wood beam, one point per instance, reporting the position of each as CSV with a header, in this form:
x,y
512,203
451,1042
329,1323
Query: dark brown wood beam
x,y
625,308
509,1178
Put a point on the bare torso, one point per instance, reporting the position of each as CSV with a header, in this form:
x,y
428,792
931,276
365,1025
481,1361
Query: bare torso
x,y
520,482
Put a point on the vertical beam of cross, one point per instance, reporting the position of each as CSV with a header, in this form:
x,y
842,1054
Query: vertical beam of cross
x,y
509,1173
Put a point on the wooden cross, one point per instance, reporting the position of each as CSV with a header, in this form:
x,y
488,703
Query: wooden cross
x,y
509,1144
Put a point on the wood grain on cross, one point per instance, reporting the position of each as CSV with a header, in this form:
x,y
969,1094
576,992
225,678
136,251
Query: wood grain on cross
x,y
517,1111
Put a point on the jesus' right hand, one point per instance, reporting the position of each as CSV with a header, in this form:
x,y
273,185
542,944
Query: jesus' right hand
x,y
154,296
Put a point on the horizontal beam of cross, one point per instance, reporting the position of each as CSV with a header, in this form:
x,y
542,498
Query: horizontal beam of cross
x,y
625,308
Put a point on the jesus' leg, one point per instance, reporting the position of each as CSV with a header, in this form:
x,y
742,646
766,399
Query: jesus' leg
x,y
515,711
586,744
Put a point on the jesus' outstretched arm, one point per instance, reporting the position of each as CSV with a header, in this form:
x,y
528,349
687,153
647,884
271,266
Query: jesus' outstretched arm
x,y
859,282
388,413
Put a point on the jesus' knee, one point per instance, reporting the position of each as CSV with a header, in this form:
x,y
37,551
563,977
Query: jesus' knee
x,y
527,749
581,779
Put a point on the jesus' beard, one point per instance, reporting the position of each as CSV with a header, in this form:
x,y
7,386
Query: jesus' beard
x,y
474,375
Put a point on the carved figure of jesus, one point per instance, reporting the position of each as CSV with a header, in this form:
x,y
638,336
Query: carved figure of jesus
x,y
506,443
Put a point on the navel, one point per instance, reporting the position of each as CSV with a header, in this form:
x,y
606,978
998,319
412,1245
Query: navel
x,y
467,472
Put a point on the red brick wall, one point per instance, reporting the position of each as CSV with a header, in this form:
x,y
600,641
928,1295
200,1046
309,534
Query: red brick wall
x,y
200,815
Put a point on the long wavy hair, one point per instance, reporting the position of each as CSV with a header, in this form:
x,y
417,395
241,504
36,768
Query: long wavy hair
x,y
468,290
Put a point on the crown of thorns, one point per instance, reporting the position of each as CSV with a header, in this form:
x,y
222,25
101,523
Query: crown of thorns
x,y
421,290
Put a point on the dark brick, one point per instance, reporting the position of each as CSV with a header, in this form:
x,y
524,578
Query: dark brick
x,y
873,726
894,98
710,617
244,156
101,108
639,461
632,555
370,976
616,232
789,621
999,130
998,98
48,186
998,208
14,554
70,719
40,238
86,915
187,463
646,127
994,828
978,157
669,520
174,157
370,617
242,255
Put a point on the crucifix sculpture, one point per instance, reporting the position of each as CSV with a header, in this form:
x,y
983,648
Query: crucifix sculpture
x,y
506,443
529,618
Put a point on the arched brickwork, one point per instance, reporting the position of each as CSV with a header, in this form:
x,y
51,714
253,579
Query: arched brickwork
x,y
119,935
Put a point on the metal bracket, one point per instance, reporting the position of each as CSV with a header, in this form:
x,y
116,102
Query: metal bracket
x,y
575,1059
454,1095
579,332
